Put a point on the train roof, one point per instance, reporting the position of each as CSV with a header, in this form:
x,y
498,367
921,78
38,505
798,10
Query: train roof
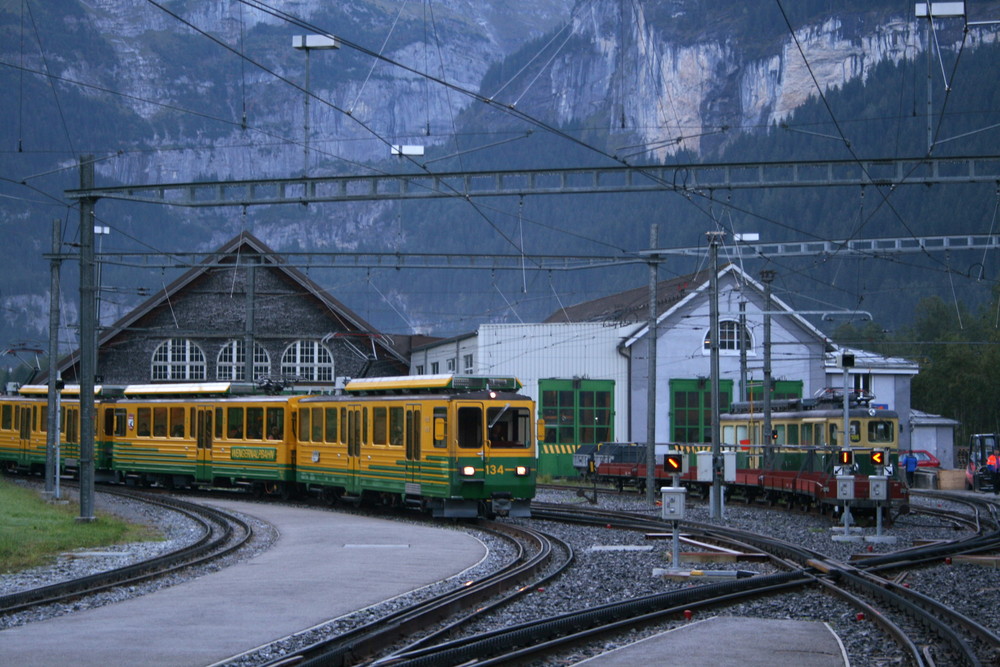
x,y
69,390
444,382
191,389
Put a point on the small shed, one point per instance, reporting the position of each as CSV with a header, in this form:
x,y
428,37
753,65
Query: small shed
x,y
936,434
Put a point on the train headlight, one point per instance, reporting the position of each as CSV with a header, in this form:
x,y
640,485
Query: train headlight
x,y
468,471
521,471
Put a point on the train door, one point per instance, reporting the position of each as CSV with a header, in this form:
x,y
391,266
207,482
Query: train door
x,y
26,425
356,428
203,452
470,433
411,437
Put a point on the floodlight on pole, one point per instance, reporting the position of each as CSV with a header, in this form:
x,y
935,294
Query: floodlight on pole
x,y
309,43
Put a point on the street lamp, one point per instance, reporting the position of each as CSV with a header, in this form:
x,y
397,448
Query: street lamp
x,y
309,43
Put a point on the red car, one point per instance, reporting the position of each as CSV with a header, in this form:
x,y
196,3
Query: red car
x,y
925,459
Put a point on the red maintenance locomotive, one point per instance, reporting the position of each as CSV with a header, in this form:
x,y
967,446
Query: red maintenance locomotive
x,y
802,462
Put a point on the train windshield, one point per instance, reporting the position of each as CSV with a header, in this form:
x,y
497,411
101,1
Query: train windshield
x,y
881,432
509,427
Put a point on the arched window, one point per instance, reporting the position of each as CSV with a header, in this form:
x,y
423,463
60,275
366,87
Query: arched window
x,y
308,360
232,362
178,359
730,339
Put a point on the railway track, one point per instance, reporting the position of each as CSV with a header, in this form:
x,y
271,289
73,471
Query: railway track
x,y
221,533
540,558
947,636
874,586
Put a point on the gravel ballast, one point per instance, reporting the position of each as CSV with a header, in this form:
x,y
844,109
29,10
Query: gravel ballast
x,y
610,565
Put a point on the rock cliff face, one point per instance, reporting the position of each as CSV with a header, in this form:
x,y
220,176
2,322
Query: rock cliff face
x,y
672,93
624,69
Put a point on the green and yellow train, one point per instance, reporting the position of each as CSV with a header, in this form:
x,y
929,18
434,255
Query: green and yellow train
x,y
454,446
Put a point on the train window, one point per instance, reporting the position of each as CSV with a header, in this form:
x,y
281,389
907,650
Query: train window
x,y
470,427
6,420
793,434
509,427
305,431
218,422
72,422
881,431
255,423
43,424
120,421
142,420
415,434
275,424
396,426
440,428
176,422
331,424
855,431
781,439
234,422
379,426
356,434
728,435
833,435
160,422
343,425
317,424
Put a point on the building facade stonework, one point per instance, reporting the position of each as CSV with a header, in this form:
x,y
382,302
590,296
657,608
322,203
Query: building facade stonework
x,y
200,327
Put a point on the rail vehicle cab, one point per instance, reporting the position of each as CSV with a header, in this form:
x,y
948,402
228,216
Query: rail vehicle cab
x,y
981,445
494,453
454,446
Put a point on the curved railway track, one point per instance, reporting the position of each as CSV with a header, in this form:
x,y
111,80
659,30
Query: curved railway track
x,y
221,534
872,586
537,551
899,611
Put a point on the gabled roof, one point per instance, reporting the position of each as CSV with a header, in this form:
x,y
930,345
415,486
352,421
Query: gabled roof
x,y
231,251
671,295
631,305
702,291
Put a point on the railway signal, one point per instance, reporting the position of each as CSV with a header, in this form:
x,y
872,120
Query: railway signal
x,y
845,457
878,457
673,463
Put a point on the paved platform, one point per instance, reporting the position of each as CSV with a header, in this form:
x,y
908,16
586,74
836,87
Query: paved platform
x,y
724,640
323,565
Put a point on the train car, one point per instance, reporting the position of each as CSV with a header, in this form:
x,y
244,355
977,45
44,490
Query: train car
x,y
981,445
24,428
213,434
455,446
813,484
816,422
797,462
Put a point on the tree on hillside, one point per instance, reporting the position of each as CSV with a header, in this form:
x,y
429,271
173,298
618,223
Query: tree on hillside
x,y
959,356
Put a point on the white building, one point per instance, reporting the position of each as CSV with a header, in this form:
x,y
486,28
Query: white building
x,y
587,365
